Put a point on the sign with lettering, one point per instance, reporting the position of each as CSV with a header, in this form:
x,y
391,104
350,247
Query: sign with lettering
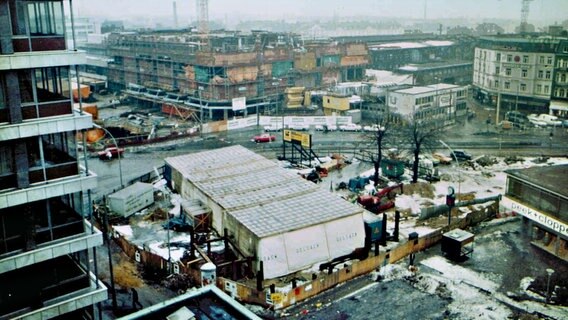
x,y
304,139
536,216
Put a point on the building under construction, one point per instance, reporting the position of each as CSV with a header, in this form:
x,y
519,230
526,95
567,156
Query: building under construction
x,y
212,70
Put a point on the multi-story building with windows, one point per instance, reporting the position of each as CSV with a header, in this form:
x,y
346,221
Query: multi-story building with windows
x,y
258,66
559,99
439,103
518,70
539,194
46,268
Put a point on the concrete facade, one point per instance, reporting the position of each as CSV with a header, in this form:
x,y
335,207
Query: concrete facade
x,y
45,240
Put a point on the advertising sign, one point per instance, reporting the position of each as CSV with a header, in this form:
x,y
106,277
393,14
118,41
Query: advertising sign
x,y
239,103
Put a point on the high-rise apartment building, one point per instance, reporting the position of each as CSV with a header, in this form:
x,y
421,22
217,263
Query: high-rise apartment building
x,y
46,242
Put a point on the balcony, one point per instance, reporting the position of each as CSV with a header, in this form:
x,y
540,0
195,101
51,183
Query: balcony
x,y
41,59
52,288
73,121
49,189
78,240
44,43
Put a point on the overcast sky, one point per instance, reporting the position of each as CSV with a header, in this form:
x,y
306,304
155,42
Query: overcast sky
x,y
550,10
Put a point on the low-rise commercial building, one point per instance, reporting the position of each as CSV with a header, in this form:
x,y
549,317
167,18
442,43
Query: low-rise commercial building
x,y
440,103
539,194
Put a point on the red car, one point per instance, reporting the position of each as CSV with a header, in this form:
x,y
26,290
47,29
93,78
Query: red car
x,y
110,153
265,137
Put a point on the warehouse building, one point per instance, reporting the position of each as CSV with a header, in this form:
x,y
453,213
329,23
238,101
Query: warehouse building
x,y
539,194
271,213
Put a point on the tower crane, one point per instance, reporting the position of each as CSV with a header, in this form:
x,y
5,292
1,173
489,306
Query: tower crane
x,y
525,9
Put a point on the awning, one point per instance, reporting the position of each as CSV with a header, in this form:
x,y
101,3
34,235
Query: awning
x,y
559,105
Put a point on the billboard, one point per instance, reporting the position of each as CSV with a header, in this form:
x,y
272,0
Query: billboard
x,y
303,139
239,103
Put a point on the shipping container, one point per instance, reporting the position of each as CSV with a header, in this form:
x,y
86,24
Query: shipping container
x,y
131,199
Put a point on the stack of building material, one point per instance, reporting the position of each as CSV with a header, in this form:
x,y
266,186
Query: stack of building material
x,y
294,97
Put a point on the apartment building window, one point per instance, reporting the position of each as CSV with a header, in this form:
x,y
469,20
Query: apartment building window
x,y
524,73
560,93
496,83
49,84
498,58
509,57
507,85
549,60
523,87
525,59
540,74
497,70
508,71
538,88
541,59
2,97
6,160
547,75
546,89
562,78
46,18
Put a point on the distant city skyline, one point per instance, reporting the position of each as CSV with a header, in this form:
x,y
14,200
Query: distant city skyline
x,y
547,11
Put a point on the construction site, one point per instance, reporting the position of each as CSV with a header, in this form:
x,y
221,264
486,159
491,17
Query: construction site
x,y
221,74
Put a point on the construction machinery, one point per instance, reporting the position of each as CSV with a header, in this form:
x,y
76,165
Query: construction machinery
x,y
381,200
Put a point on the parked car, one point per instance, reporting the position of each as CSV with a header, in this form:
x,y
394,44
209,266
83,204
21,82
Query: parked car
x,y
265,137
543,120
517,119
461,155
442,158
325,127
350,127
110,153
272,128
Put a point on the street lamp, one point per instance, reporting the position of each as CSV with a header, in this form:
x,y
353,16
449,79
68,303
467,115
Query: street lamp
x,y
457,162
549,272
118,153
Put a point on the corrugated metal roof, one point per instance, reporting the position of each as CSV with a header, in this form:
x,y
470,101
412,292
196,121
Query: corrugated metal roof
x,y
295,213
264,197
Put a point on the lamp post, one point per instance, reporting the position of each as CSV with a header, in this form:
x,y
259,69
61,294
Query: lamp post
x,y
458,164
118,153
549,272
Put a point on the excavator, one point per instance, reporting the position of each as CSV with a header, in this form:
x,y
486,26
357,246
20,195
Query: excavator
x,y
381,201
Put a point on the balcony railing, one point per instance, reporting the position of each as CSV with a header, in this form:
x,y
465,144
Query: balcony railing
x,y
38,44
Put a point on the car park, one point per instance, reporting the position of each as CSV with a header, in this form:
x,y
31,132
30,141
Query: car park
x,y
265,137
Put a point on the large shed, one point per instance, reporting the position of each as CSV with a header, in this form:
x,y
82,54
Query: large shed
x,y
270,212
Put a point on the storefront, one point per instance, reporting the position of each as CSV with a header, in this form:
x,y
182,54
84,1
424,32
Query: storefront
x,y
539,194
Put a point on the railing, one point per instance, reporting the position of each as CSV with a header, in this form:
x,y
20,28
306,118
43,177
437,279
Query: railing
x,y
45,43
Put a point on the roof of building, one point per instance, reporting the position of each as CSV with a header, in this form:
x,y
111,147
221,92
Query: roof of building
x,y
409,45
434,65
551,178
264,197
204,303
416,90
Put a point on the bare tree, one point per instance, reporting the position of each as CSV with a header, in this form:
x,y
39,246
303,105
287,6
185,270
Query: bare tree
x,y
378,135
419,135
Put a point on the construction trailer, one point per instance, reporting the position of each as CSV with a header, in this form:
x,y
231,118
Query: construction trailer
x,y
131,199
269,212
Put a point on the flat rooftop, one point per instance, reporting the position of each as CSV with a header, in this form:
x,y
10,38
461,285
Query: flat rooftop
x,y
551,178
257,192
